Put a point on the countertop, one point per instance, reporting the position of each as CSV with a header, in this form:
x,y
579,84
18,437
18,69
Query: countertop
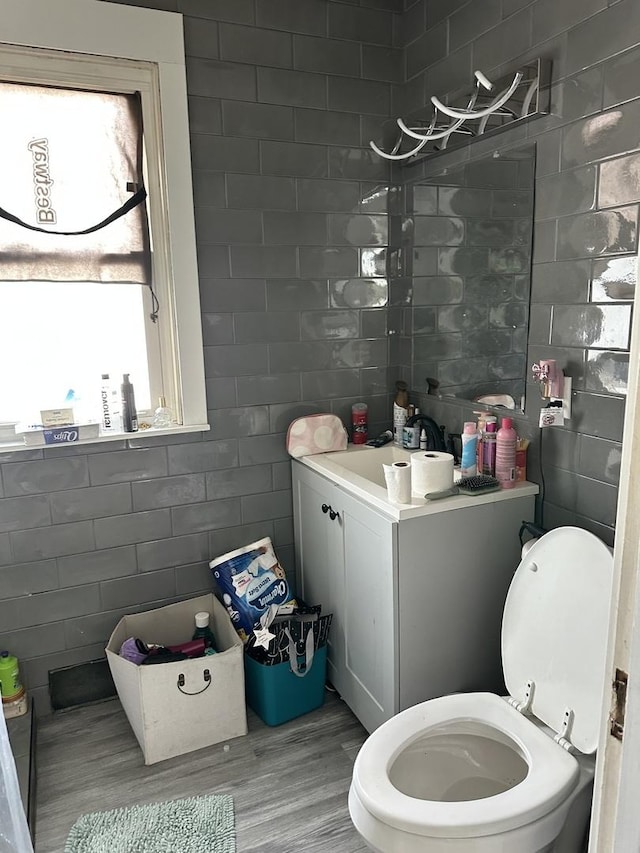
x,y
363,477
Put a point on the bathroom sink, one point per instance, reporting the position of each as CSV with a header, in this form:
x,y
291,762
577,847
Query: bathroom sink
x,y
358,470
367,462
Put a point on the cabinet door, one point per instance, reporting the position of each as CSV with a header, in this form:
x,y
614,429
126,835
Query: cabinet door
x,y
319,558
347,564
369,613
456,567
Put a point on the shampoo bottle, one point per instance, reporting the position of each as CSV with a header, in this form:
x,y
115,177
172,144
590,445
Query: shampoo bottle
x,y
489,449
129,413
468,463
400,411
506,440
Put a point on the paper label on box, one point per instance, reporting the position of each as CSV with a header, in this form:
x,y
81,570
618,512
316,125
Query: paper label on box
x,y
56,417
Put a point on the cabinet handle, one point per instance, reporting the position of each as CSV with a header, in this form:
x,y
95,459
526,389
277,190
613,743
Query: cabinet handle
x,y
325,508
333,514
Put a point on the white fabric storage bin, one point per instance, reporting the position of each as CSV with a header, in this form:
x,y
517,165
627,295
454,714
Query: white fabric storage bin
x,y
175,708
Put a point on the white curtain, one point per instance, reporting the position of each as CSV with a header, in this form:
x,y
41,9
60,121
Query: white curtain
x,y
14,832
68,160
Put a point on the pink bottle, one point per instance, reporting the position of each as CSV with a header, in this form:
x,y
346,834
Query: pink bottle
x,y
506,440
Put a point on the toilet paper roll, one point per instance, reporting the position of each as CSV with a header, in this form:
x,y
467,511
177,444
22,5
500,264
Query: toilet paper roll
x,y
431,471
398,479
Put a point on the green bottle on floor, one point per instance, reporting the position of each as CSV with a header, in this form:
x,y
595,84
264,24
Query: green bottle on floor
x,y
10,685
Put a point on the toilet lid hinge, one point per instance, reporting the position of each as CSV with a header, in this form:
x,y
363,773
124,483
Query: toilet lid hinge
x,y
563,736
524,705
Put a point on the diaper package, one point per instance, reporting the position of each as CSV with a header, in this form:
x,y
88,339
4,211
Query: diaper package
x,y
251,579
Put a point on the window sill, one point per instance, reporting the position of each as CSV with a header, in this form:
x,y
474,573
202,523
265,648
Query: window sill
x,y
132,438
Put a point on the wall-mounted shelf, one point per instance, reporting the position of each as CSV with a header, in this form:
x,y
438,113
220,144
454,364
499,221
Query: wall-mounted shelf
x,y
459,119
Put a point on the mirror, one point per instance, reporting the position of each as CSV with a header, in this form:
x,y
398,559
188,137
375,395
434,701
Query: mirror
x,y
468,229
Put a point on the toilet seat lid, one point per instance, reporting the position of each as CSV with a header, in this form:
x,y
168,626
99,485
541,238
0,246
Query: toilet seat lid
x,y
555,629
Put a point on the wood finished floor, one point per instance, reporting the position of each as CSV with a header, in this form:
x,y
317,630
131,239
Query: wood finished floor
x,y
289,783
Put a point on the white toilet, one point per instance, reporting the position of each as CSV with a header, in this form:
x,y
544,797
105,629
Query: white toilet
x,y
479,773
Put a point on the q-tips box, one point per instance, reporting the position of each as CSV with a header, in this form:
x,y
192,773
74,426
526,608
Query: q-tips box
x,y
68,434
179,707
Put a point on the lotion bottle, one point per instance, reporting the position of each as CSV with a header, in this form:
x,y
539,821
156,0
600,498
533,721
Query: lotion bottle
x,y
506,440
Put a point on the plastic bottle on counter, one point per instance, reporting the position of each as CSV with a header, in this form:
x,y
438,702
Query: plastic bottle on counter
x,y
204,632
482,425
506,440
400,411
359,427
423,439
468,461
489,449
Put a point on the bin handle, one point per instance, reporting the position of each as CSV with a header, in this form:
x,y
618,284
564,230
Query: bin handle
x,y
293,654
207,677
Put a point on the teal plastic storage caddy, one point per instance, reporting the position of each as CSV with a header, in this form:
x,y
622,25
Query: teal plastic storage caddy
x,y
277,694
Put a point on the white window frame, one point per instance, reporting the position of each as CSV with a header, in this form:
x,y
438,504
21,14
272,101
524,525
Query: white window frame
x,y
111,33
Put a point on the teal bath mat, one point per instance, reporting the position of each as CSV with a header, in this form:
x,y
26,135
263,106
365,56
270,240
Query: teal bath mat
x,y
194,825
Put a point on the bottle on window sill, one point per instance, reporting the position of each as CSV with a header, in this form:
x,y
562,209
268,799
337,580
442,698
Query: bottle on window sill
x,y
110,419
129,413
163,416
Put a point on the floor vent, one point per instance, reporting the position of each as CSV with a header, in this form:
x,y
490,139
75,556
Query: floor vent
x,y
81,684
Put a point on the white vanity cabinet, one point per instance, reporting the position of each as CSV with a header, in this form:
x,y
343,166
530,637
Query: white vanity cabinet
x,y
417,602
345,556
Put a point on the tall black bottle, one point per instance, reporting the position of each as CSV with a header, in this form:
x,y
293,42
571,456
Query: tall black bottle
x,y
129,413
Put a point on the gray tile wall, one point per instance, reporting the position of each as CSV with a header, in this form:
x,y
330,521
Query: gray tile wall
x,y
467,328
291,222
586,212
301,295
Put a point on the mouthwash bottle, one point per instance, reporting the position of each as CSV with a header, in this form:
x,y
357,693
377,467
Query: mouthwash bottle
x,y
204,632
